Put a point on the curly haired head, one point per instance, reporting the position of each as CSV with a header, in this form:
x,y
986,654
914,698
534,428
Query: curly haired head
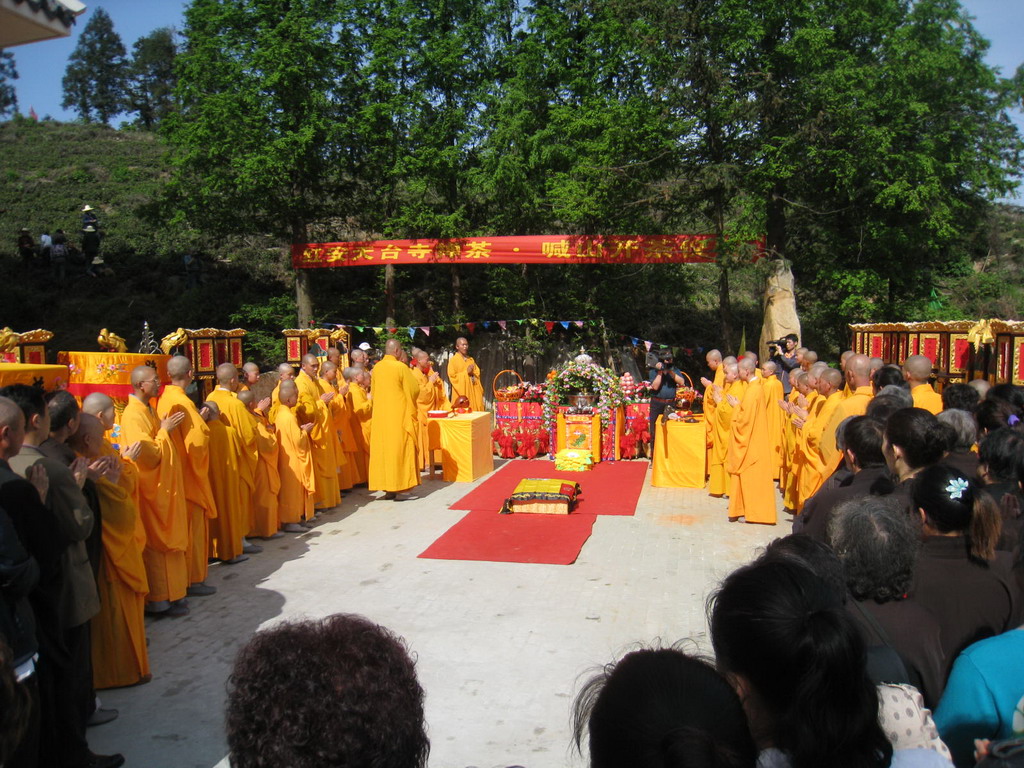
x,y
339,691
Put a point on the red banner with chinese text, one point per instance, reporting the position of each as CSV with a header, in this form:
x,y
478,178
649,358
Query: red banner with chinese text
x,y
528,249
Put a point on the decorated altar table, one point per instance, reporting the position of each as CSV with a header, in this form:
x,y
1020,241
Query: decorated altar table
x,y
680,454
465,444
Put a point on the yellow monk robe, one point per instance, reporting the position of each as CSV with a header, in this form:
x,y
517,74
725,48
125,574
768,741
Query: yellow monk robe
x,y
393,437
463,383
311,409
927,398
709,411
791,496
346,427
719,481
337,415
266,520
749,460
161,502
192,442
773,392
812,473
362,420
232,521
235,415
119,655
430,398
275,403
295,468
856,404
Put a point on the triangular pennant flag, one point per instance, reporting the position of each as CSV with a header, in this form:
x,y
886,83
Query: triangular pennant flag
x,y
635,340
648,344
579,323
565,324
471,326
487,324
425,329
520,322
549,324
377,329
502,324
412,332
392,330
360,328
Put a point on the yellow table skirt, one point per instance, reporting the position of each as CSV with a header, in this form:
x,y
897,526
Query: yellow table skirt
x,y
51,376
680,454
465,443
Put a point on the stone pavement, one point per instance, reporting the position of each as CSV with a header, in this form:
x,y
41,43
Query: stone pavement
x,y
501,647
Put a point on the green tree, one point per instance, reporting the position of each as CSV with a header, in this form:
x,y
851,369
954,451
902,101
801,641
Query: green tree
x,y
8,73
151,77
259,141
95,81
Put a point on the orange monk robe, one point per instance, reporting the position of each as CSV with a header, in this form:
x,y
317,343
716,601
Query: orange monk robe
x,y
856,404
393,436
266,519
337,415
749,460
161,502
791,495
232,521
311,409
275,403
719,480
192,442
295,469
773,392
431,398
362,419
813,471
463,383
927,398
709,410
351,443
119,655
235,415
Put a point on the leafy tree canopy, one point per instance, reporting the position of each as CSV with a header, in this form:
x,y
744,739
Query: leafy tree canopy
x,y
95,81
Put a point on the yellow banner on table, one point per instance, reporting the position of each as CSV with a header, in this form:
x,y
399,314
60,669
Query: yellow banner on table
x,y
580,432
50,377
109,373
680,454
465,442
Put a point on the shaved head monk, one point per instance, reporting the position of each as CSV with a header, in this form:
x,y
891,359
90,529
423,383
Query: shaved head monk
x,y
313,406
362,412
102,407
748,457
191,443
858,384
295,463
250,376
464,376
917,370
393,465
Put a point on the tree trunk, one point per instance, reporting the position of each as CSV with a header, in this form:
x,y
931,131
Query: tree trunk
x,y
389,294
725,306
456,291
303,294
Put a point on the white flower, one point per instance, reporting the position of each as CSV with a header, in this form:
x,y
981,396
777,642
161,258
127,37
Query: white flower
x,y
956,487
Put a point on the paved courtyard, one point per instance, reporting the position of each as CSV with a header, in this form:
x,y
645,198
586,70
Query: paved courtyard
x,y
501,647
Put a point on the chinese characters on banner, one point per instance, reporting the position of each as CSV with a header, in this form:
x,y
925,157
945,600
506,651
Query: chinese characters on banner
x,y
529,249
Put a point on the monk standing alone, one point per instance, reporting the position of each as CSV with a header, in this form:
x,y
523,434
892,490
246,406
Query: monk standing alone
x,y
464,375
749,457
393,435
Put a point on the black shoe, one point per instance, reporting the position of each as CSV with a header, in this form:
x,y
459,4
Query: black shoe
x,y
252,549
105,761
201,590
101,717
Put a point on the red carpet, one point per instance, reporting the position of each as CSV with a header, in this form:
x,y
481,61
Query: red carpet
x,y
610,488
486,535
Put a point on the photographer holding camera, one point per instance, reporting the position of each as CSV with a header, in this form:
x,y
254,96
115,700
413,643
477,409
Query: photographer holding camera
x,y
664,378
783,353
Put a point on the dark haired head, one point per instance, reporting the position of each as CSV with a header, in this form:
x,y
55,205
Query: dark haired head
x,y
961,397
993,414
1010,394
63,408
784,633
816,555
876,543
1000,453
886,403
886,375
334,691
663,709
29,399
863,437
918,436
953,503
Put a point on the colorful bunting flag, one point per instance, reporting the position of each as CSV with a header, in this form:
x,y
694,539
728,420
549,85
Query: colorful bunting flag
x,y
412,332
502,324
549,324
648,344
635,340
471,327
579,323
425,329
565,324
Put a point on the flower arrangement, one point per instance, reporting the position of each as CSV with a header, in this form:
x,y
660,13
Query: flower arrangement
x,y
635,391
579,376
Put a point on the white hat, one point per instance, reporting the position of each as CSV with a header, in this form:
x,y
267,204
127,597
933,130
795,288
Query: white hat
x,y
89,229
86,208
365,347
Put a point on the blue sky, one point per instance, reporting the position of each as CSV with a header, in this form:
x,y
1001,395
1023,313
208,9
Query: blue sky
x,y
41,65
